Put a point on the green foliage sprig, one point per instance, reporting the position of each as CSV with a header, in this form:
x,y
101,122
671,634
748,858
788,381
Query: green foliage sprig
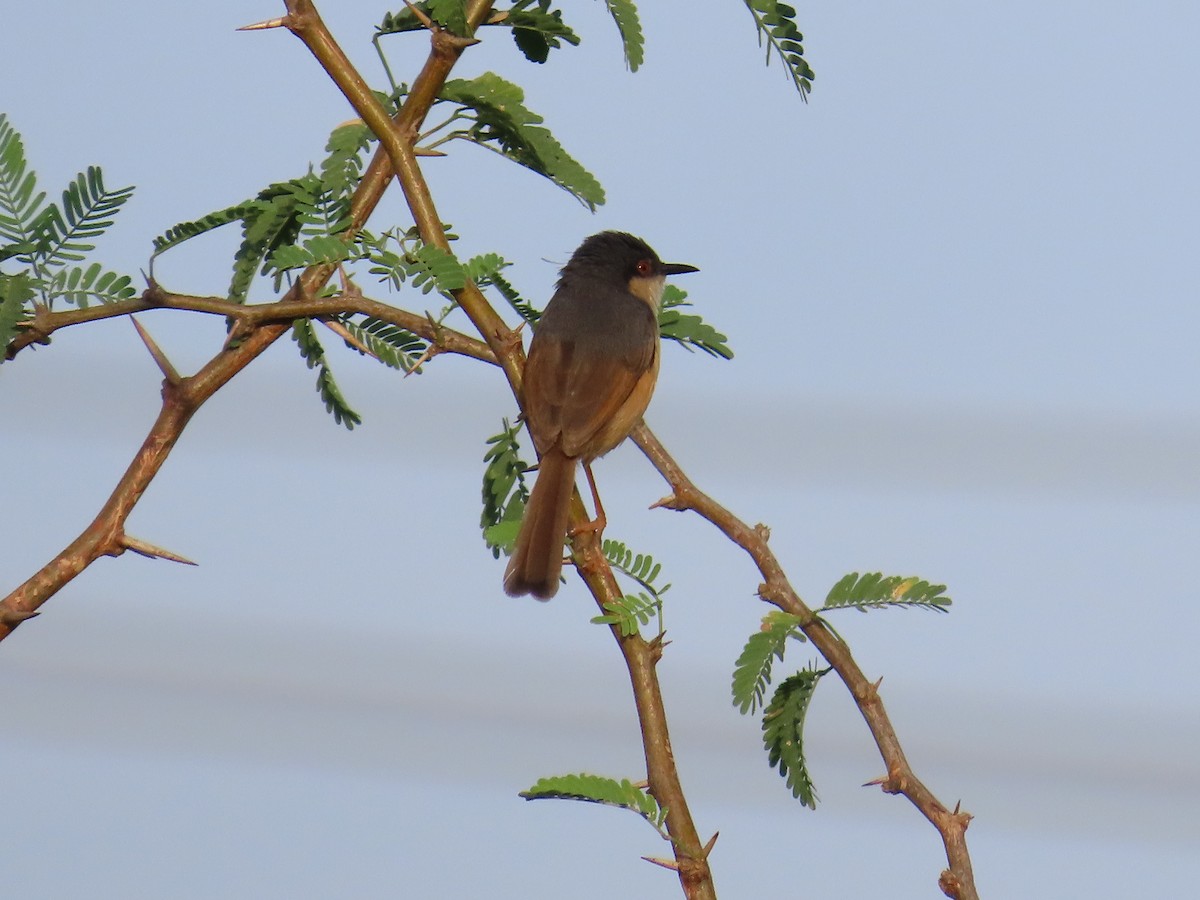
x,y
752,672
45,237
314,355
396,258
623,794
783,732
395,347
501,122
690,331
16,291
625,14
873,590
450,14
630,612
537,29
783,719
777,29
504,490
485,271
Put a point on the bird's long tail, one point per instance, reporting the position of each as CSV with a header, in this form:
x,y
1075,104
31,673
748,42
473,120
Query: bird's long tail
x,y
536,562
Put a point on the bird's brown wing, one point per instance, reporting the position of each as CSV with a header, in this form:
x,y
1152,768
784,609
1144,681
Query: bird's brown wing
x,y
579,389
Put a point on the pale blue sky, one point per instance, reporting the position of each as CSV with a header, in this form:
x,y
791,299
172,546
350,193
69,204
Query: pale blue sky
x,y
962,290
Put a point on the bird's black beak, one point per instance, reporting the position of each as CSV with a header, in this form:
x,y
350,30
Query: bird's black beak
x,y
677,268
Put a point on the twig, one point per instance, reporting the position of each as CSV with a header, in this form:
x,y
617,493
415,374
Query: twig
x,y
958,881
180,401
640,657
251,316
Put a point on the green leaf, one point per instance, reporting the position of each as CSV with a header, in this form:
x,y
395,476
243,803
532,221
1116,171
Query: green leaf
x,y
314,356
485,271
185,231
641,567
630,612
537,29
341,170
87,210
19,205
502,123
77,285
502,537
625,14
783,732
481,268
314,251
391,345
505,491
404,20
688,330
598,789
432,267
450,14
873,590
15,292
776,24
271,220
752,672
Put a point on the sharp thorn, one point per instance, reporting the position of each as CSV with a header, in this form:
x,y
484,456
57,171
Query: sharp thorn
x,y
344,333
281,22
160,358
876,782
16,616
420,15
711,843
145,548
430,352
421,151
665,863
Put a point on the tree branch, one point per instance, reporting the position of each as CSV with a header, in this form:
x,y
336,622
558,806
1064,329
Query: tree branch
x,y
958,880
446,340
105,535
640,657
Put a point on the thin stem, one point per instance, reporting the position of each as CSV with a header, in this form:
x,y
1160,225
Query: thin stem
x,y
958,880
447,340
104,536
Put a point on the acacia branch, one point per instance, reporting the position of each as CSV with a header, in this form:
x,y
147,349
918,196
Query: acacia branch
x,y
958,880
640,656
44,323
397,139
105,536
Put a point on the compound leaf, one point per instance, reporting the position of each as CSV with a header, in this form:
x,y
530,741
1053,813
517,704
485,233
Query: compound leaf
x,y
752,672
625,14
783,732
873,590
502,123
776,24
598,789
314,356
690,331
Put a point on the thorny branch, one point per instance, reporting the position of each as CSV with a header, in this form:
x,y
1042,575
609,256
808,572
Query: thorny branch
x,y
958,880
106,536
691,857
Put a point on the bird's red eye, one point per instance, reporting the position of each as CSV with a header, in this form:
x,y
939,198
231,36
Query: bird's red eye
x,y
645,267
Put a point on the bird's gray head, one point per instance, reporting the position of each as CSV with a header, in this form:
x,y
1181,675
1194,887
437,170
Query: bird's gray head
x,y
621,258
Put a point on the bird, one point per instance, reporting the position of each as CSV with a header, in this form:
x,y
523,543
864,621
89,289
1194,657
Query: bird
x,y
589,375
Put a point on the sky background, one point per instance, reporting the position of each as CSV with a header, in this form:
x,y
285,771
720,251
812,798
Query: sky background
x,y
962,291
